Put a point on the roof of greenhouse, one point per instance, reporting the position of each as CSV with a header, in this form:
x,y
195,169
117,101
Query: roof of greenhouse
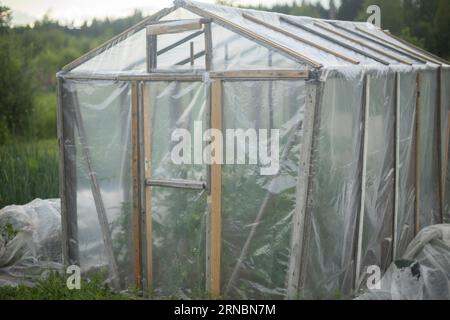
x,y
308,42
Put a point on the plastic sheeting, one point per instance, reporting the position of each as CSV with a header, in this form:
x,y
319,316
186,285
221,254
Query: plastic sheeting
x,y
257,209
30,241
423,273
105,110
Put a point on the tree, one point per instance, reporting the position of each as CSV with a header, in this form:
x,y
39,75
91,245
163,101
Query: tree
x,y
349,9
16,94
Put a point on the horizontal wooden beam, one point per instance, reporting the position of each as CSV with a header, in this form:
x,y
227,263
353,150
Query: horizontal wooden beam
x,y
255,74
176,183
269,74
165,27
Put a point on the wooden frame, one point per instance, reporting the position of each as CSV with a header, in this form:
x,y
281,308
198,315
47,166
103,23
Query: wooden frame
x,y
120,37
67,178
360,217
167,27
253,36
396,166
384,53
298,38
216,194
385,44
136,215
439,143
390,45
334,40
300,218
417,154
146,174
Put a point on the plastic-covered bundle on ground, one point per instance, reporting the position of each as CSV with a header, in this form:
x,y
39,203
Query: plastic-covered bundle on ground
x,y
30,241
422,273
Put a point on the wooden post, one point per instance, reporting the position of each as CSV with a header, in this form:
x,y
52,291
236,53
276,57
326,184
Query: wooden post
x,y
396,165
216,192
417,211
147,145
67,176
365,136
136,226
439,144
208,47
299,218
152,55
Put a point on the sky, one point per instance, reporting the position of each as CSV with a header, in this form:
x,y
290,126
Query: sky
x,y
78,11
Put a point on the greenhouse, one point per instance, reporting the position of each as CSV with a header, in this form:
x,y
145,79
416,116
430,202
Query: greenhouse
x,y
363,143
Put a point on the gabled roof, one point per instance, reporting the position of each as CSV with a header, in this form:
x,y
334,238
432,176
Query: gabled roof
x,y
313,43
316,42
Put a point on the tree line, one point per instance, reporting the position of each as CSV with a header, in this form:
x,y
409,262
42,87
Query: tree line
x,y
30,56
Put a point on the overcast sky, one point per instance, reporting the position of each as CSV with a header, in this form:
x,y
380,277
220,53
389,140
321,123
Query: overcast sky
x,y
77,11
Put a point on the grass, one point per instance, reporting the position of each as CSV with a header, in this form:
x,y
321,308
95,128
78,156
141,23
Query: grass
x,y
54,288
28,171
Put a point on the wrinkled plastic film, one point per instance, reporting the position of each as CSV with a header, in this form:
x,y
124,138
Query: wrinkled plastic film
x,y
336,190
406,183
262,203
106,116
428,146
445,139
379,184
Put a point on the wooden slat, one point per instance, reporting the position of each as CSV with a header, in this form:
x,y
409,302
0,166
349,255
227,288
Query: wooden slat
x,y
225,75
343,35
361,213
147,139
366,36
439,144
176,183
136,226
253,36
208,47
67,177
391,45
166,27
298,38
264,74
396,166
333,39
417,211
298,223
216,192
429,56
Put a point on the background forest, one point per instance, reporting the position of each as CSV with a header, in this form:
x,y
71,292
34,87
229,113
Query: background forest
x,y
30,56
